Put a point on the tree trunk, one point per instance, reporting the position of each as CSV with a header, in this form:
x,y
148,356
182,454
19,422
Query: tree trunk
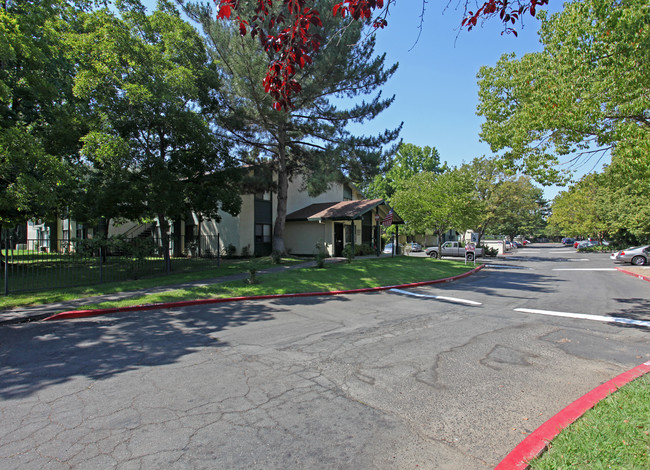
x,y
480,234
198,236
2,247
164,237
102,233
283,189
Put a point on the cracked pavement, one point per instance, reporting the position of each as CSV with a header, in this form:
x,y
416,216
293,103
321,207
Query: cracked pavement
x,y
377,380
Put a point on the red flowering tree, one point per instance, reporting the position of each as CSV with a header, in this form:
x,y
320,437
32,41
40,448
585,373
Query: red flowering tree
x,y
288,31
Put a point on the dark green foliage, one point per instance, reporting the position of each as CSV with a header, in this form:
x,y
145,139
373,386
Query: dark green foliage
x,y
348,253
489,251
231,250
276,257
321,255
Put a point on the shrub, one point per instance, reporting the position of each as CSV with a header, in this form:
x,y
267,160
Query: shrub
x,y
276,257
252,269
321,255
489,251
363,250
230,250
348,253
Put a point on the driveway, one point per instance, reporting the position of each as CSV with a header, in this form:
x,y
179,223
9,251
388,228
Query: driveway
x,y
446,377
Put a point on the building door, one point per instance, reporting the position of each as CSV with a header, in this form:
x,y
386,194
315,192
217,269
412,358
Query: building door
x,y
263,221
338,239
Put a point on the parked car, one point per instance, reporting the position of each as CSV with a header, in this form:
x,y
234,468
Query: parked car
x,y
586,244
637,255
568,241
592,242
517,244
453,249
388,248
415,247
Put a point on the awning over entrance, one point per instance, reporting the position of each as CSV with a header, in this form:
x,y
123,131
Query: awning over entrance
x,y
344,210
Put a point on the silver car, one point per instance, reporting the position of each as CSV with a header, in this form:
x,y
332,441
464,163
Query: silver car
x,y
637,255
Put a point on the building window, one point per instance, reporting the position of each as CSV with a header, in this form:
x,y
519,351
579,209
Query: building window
x,y
347,193
262,233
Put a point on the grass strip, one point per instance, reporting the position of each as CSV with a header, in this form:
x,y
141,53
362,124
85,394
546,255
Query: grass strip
x,y
363,273
614,434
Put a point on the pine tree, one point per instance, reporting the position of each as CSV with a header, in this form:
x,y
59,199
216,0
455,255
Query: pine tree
x,y
312,139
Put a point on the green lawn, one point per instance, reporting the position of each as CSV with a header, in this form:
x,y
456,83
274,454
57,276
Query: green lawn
x,y
614,434
361,273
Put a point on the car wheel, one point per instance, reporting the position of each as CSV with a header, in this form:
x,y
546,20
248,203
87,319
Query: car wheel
x,y
638,261
470,257
433,254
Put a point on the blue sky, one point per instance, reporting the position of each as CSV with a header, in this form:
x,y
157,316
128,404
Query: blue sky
x,y
435,87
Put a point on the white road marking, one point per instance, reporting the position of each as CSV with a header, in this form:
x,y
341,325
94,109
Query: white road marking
x,y
437,297
578,259
563,251
584,316
488,265
585,269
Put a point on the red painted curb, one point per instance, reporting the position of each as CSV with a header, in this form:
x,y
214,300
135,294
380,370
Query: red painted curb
x,y
536,442
187,303
640,276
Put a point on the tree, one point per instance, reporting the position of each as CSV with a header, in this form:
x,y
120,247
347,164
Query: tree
x,y
311,139
151,85
435,203
409,160
40,121
286,33
522,208
487,178
625,207
604,205
588,91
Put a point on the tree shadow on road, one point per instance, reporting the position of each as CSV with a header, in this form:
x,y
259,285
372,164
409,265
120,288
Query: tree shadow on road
x,y
520,283
38,355
632,309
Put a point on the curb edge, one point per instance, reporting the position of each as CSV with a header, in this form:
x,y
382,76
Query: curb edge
x,y
72,314
533,445
630,273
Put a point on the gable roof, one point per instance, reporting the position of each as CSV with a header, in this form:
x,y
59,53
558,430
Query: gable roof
x,y
344,210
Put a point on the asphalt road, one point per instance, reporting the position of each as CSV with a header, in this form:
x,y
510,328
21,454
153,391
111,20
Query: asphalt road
x,y
450,376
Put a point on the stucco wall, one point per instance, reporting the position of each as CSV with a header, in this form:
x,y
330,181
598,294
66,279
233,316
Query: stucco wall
x,y
237,231
298,199
301,237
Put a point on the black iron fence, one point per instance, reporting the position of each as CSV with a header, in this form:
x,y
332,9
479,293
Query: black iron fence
x,y
37,265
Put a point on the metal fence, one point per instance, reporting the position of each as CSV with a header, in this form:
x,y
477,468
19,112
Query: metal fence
x,y
37,265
